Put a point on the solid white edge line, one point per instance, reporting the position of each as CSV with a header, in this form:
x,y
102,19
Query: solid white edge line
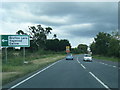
x,y
78,61
34,75
83,66
108,65
100,81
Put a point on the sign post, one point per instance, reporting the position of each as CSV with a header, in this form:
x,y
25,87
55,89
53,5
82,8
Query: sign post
x,y
6,54
15,41
23,54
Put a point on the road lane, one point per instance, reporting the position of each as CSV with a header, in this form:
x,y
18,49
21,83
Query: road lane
x,y
33,75
65,74
108,75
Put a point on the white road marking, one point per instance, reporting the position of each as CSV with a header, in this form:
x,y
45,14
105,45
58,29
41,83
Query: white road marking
x,y
83,66
102,63
100,81
77,60
114,66
108,65
33,75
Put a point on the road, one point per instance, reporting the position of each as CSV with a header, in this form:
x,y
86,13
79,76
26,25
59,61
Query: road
x,y
73,74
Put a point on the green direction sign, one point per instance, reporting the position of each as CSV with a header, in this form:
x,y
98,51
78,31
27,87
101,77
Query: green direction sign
x,y
15,40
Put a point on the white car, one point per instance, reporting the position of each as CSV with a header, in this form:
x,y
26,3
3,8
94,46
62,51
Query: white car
x,y
87,57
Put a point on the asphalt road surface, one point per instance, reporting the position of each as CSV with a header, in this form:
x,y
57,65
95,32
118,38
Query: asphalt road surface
x,y
73,74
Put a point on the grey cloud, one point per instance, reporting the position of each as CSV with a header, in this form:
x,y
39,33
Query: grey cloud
x,y
79,12
103,15
91,32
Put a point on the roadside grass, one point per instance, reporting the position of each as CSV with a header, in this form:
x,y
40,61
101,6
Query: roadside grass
x,y
114,59
11,72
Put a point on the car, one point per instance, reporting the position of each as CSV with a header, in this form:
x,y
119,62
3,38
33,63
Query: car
x,y
69,57
87,57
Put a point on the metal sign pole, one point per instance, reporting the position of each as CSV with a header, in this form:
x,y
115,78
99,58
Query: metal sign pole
x,y
23,54
6,54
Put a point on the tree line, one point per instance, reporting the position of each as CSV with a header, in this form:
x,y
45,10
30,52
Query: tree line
x,y
106,44
39,39
81,48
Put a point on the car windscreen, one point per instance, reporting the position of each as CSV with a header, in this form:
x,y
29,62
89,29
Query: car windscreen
x,y
87,55
69,55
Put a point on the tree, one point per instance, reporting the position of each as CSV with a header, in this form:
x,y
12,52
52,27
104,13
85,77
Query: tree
x,y
52,44
82,48
39,35
92,48
116,34
63,43
102,43
75,50
48,30
20,32
55,36
56,44
114,48
106,44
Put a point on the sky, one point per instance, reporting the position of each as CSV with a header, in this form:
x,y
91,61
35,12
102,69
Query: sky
x,y
78,22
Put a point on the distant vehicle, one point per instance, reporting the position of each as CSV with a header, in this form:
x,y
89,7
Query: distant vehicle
x,y
69,57
87,57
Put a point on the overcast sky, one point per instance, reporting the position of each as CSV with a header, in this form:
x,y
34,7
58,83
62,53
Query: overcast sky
x,y
79,22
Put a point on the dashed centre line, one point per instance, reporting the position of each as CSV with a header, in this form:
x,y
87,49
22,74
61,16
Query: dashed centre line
x,y
83,66
77,60
105,64
114,66
95,76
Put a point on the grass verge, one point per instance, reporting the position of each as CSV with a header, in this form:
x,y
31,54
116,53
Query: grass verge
x,y
11,73
114,59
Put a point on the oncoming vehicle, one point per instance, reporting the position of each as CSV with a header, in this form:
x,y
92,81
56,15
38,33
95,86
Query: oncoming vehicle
x,y
87,57
69,57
